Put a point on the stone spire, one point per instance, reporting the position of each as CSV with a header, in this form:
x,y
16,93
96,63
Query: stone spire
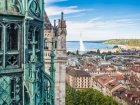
x,y
62,16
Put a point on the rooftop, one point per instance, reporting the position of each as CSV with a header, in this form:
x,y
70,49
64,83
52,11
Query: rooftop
x,y
77,73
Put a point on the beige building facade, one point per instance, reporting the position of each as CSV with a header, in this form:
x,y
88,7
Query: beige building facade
x,y
78,79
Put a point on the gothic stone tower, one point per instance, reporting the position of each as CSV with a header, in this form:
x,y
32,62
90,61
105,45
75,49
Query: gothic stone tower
x,y
59,32
22,77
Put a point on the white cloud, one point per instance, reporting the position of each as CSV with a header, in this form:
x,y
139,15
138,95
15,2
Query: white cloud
x,y
96,28
53,10
99,29
53,1
56,10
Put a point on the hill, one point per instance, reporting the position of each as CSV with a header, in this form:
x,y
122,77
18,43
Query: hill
x,y
128,42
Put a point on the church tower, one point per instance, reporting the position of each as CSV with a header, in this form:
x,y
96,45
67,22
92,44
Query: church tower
x,y
61,59
23,80
59,32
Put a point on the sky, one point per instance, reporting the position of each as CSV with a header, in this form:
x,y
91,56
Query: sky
x,y
97,19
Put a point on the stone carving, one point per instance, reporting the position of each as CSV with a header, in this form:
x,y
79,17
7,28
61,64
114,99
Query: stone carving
x,y
35,8
14,6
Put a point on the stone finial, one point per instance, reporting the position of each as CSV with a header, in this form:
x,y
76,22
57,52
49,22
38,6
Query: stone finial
x,y
62,16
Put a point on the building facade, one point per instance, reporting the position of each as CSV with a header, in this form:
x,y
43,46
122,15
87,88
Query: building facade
x,y
59,33
78,79
23,80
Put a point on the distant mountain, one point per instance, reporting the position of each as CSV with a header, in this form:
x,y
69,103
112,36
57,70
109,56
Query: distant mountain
x,y
129,42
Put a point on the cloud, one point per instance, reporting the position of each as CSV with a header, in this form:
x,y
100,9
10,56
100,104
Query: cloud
x,y
99,29
53,1
56,10
96,28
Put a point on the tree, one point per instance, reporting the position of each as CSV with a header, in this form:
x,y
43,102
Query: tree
x,y
87,97
109,52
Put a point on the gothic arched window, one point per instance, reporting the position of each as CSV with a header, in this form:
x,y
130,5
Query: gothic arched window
x,y
12,36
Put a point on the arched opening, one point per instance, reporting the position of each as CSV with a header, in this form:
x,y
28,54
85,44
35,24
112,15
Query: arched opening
x,y
45,44
12,37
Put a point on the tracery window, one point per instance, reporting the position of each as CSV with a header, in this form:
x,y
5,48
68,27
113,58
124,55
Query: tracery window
x,y
12,60
12,37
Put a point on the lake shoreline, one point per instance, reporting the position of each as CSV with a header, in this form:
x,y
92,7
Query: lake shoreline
x,y
131,47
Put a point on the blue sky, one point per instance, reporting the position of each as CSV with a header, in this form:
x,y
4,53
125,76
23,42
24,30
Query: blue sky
x,y
98,19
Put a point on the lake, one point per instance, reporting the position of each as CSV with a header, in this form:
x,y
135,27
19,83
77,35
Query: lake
x,y
89,46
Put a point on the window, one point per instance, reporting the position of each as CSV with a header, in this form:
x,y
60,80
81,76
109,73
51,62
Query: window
x,y
0,37
30,37
37,38
55,44
46,44
12,37
12,60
